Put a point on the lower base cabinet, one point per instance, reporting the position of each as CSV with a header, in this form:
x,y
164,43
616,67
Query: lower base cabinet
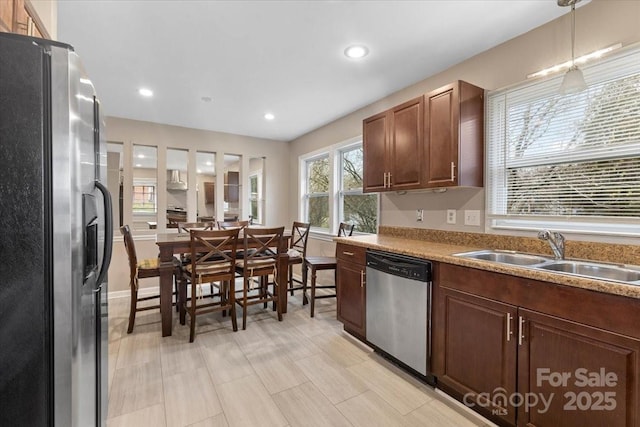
x,y
523,367
351,288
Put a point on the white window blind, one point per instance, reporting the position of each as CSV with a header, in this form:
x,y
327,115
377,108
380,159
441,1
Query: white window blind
x,y
572,161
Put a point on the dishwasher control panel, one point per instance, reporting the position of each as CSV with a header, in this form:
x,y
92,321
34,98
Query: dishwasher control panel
x,y
400,265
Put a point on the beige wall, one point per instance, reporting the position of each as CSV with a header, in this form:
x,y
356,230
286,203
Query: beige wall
x,y
129,132
599,23
47,11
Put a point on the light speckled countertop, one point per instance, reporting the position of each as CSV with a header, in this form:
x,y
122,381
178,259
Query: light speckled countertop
x,y
443,252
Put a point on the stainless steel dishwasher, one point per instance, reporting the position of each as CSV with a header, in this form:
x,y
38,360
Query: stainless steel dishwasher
x,y
399,309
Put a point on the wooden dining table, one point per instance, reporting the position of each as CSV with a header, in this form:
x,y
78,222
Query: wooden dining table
x,y
175,243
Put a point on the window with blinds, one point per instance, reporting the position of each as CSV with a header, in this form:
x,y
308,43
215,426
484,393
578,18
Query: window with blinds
x,y
569,162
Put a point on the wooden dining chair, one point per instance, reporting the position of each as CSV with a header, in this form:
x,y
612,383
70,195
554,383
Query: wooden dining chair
x,y
213,259
143,269
317,263
185,227
261,246
223,225
297,252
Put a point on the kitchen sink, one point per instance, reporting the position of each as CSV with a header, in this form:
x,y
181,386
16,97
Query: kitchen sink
x,y
594,270
505,257
591,270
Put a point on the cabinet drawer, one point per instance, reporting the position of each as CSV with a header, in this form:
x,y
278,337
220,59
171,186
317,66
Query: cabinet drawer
x,y
351,253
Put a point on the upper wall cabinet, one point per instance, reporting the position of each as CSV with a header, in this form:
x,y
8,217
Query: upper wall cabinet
x,y
393,148
436,140
454,136
19,16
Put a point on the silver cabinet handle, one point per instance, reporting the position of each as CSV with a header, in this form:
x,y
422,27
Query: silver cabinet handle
x,y
453,171
520,330
362,278
348,253
509,331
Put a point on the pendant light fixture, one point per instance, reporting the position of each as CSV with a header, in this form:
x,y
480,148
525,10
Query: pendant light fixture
x,y
573,81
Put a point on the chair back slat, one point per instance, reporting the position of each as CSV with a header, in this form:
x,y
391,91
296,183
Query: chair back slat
x,y
224,225
345,230
185,227
213,255
299,236
265,243
129,246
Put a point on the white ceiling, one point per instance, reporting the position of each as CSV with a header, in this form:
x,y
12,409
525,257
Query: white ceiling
x,y
284,57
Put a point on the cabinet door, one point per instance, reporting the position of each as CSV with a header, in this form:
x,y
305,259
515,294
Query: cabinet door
x,y
6,15
374,145
350,282
406,145
231,187
477,347
555,358
209,193
441,136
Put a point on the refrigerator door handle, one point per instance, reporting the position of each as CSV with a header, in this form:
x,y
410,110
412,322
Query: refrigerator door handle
x,y
108,232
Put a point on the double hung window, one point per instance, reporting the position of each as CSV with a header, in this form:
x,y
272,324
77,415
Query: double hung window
x,y
570,162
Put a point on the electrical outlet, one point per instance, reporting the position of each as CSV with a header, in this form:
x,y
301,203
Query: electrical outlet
x,y
451,216
472,217
419,215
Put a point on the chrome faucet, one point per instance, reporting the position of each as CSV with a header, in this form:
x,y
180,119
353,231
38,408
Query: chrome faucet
x,y
556,241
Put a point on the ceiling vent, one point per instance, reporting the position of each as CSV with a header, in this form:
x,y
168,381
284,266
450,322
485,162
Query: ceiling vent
x,y
174,183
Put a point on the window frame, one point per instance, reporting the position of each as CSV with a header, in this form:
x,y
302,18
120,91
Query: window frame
x,y
258,196
497,219
336,208
144,182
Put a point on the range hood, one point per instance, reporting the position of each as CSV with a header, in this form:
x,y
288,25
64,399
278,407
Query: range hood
x,y
174,183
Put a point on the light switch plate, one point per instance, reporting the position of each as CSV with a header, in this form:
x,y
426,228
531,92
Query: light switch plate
x,y
451,216
472,217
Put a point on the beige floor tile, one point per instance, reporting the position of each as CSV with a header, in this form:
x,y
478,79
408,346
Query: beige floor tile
x,y
305,406
276,370
139,347
135,388
217,421
179,356
223,357
247,403
331,378
153,416
400,392
340,349
438,414
190,397
370,410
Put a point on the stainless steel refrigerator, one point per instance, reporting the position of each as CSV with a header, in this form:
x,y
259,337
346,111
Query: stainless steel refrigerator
x,y
55,238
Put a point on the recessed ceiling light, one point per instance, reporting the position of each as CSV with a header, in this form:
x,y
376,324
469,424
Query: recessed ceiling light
x,y
145,92
356,51
269,116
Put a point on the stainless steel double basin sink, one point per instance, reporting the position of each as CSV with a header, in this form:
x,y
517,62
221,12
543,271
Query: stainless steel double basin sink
x,y
592,270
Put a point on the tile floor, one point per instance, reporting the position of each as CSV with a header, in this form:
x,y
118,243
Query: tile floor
x,y
298,372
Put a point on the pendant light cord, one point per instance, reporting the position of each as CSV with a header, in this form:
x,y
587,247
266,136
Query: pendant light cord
x,y
573,35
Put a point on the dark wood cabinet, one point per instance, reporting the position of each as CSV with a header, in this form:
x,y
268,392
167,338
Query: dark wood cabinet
x,y
351,288
19,16
592,374
436,140
490,329
454,136
232,187
209,193
480,349
393,148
